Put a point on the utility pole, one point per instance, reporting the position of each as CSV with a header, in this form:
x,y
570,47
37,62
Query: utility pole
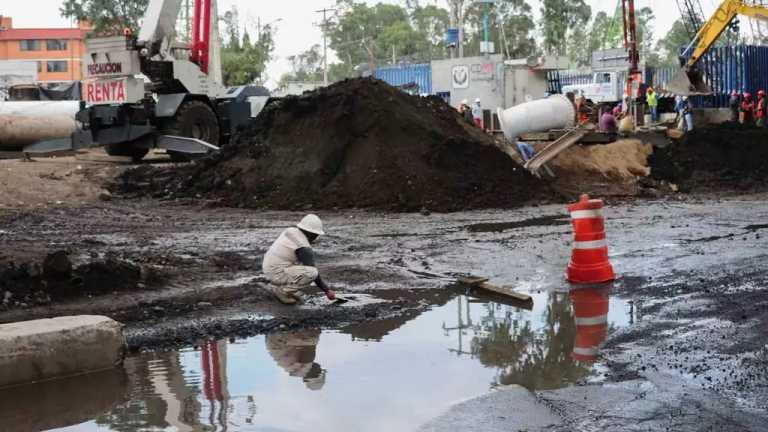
x,y
324,27
457,21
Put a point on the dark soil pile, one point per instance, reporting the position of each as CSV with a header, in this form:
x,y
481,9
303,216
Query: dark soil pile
x,y
356,144
716,157
55,278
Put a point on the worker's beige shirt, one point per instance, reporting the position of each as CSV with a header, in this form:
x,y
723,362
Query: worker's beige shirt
x,y
282,253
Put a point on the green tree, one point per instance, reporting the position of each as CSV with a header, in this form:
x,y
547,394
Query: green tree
x,y
676,38
600,34
109,17
431,24
305,67
511,27
243,61
364,34
516,17
231,21
559,19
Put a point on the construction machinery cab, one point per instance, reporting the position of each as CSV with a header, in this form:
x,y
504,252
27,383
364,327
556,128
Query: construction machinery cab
x,y
146,91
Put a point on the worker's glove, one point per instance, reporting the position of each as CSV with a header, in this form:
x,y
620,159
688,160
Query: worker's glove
x,y
331,295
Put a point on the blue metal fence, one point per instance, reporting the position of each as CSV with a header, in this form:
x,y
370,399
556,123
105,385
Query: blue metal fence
x,y
408,77
743,68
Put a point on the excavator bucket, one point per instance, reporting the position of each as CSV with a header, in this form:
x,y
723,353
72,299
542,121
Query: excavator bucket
x,y
688,82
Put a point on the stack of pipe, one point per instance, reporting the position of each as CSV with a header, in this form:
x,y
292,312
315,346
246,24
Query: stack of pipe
x,y
24,123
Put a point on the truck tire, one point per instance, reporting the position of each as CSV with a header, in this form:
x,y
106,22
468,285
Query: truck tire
x,y
126,149
193,119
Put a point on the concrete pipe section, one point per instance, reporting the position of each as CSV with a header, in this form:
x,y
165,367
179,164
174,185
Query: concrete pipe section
x,y
554,112
24,123
38,350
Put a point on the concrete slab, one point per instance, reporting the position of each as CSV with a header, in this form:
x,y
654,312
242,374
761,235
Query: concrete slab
x,y
508,409
38,350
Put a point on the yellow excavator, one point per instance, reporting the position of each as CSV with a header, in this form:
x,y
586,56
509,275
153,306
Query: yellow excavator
x,y
690,80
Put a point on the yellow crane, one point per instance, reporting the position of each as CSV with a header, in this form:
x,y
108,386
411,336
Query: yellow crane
x,y
690,80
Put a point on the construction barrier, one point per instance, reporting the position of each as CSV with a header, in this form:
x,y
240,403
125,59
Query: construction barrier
x,y
590,310
589,260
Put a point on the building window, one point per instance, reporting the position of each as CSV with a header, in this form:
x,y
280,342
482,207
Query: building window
x,y
56,44
57,66
29,45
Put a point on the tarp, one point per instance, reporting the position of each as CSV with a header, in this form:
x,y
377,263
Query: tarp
x,y
62,92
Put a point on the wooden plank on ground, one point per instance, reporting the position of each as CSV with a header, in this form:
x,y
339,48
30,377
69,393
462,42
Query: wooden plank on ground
x,y
505,292
553,149
482,285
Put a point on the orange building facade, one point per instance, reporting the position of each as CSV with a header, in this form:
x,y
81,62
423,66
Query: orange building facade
x,y
58,52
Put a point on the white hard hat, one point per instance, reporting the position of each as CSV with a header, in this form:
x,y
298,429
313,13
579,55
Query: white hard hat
x,y
685,98
464,102
477,100
311,223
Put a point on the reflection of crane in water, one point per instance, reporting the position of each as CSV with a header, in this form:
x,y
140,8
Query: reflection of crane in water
x,y
496,314
461,327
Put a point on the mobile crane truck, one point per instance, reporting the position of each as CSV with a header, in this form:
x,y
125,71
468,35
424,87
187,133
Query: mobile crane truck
x,y
150,92
690,80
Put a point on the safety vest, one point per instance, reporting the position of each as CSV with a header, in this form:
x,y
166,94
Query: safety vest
x,y
761,107
653,99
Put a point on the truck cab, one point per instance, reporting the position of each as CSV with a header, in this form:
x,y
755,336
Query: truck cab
x,y
604,88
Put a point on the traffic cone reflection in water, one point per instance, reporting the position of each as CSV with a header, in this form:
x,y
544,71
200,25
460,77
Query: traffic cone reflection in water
x,y
589,260
590,310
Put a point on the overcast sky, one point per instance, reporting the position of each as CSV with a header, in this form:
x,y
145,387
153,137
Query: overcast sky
x,y
297,29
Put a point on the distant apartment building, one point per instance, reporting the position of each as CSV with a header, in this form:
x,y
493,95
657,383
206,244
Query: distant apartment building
x,y
58,52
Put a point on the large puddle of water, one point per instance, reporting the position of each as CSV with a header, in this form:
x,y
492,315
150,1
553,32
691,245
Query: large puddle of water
x,y
389,375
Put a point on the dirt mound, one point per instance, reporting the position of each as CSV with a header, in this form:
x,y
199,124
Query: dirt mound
x,y
55,278
715,157
606,170
356,144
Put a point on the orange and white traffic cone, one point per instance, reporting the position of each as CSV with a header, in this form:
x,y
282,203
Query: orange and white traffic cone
x,y
589,261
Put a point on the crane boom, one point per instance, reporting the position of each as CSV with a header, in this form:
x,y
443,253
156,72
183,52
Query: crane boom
x,y
718,23
690,81
158,27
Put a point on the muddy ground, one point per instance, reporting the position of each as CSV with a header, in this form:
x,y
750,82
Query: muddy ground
x,y
692,268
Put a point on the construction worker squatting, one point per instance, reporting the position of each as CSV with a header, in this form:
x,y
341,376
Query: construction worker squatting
x,y
289,264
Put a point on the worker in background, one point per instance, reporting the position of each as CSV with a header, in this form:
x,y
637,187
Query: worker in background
x,y
527,152
680,110
608,122
734,103
582,110
466,111
688,113
747,109
653,104
289,264
760,109
477,113
625,106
